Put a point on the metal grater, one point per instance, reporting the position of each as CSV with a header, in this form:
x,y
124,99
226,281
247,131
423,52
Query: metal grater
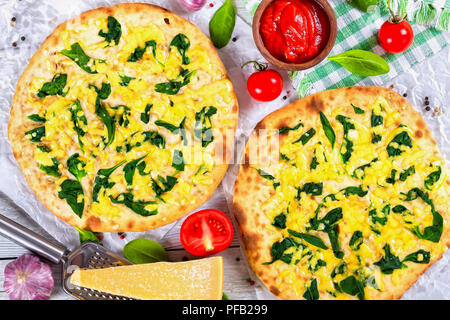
x,y
89,256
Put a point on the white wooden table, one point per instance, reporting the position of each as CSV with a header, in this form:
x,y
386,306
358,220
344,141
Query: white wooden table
x,y
237,283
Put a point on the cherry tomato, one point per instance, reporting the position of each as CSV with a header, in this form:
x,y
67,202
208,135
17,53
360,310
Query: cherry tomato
x,y
265,85
206,232
396,37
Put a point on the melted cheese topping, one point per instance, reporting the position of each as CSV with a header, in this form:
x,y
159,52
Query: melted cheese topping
x,y
143,58
352,219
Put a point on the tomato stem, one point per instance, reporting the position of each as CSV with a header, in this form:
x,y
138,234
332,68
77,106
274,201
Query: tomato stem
x,y
256,65
394,18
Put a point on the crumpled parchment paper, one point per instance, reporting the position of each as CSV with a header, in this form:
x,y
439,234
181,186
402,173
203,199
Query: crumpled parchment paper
x,y
35,20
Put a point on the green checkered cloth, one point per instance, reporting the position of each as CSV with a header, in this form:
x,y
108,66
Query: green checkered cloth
x,y
358,30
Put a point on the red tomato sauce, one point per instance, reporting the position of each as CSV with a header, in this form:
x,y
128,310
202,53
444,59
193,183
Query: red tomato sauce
x,y
294,31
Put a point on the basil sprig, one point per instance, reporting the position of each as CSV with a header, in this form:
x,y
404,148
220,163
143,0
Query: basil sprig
x,y
222,24
361,62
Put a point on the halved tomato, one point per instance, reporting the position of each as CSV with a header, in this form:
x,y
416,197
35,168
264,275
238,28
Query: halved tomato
x,y
206,232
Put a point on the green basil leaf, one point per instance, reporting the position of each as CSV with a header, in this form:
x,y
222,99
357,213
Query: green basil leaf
x,y
421,256
163,185
36,134
431,233
174,129
311,292
76,166
365,5
432,178
155,138
402,139
130,168
341,268
114,31
361,62
86,235
52,170
125,80
55,87
178,160
287,129
357,109
173,86
70,190
36,118
166,125
306,136
182,43
203,125
315,241
278,248
389,262
352,287
138,53
144,251
280,221
312,188
102,94
107,172
102,180
356,240
268,176
77,55
222,24
328,129
127,199
43,148
79,121
145,116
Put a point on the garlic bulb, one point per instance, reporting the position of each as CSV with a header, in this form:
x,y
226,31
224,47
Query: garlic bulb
x,y
27,278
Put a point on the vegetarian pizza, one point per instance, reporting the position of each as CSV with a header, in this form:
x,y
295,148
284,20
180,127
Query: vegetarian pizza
x,y
351,202
118,117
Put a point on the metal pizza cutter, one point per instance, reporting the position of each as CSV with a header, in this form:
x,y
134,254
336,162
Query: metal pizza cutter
x,y
90,255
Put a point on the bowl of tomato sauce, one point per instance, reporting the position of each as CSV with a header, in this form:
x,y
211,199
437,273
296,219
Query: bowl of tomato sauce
x,y
294,34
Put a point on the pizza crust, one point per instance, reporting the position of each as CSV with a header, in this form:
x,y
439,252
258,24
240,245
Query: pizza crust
x,y
251,190
42,185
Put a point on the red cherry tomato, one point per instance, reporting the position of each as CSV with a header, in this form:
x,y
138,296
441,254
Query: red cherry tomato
x,y
265,85
396,37
206,232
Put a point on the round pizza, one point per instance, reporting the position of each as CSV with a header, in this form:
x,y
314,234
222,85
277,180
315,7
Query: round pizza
x,y
343,195
119,121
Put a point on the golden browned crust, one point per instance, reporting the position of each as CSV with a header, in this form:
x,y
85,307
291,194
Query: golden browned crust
x,y
251,190
41,184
